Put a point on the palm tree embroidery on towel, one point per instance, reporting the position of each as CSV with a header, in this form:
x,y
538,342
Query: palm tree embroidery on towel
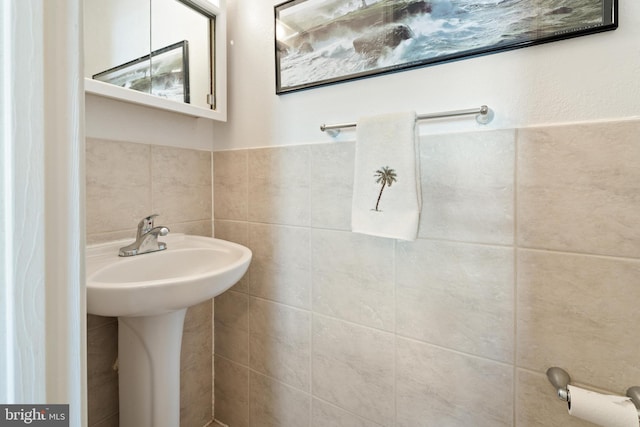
x,y
386,177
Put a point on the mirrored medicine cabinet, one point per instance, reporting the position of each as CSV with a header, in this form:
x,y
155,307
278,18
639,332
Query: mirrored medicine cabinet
x,y
167,54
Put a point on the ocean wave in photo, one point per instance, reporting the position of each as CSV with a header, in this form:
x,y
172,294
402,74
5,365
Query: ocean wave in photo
x,y
336,39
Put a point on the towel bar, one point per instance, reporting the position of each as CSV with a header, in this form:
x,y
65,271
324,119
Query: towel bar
x,y
483,115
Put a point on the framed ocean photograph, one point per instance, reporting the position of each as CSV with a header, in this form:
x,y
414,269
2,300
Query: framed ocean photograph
x,y
164,73
319,42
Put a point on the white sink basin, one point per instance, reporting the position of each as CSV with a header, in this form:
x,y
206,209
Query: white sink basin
x,y
150,294
191,270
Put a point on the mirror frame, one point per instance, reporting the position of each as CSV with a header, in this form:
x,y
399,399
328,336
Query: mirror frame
x,y
219,76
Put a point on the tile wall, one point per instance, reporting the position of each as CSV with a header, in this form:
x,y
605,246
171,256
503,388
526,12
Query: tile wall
x,y
126,182
528,257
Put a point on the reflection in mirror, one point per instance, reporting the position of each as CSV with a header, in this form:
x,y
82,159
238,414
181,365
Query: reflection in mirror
x,y
161,47
173,21
115,32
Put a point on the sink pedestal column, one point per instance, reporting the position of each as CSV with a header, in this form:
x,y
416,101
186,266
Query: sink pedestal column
x,y
149,369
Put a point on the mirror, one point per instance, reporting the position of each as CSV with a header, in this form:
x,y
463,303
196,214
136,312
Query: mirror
x,y
165,48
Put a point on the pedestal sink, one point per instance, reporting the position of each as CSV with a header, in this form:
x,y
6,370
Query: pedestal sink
x,y
150,295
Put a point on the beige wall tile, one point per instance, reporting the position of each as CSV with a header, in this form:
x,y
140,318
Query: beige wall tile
x,y
102,379
353,368
468,186
181,184
233,231
332,169
196,337
280,268
232,326
237,232
279,185
457,295
575,311
196,228
93,239
196,367
231,393
274,404
324,414
112,421
577,192
353,277
94,321
231,188
578,188
438,387
280,342
537,404
196,395
118,185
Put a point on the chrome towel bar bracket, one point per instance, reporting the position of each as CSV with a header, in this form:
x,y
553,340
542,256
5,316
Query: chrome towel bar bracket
x,y
560,380
483,115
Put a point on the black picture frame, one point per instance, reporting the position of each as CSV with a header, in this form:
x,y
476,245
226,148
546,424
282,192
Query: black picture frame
x,y
164,73
321,42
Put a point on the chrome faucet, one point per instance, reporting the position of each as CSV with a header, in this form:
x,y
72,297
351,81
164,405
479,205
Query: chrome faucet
x,y
146,238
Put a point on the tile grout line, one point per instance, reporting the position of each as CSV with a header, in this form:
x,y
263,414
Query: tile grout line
x,y
150,170
311,290
395,333
515,281
311,281
213,304
311,320
213,191
247,175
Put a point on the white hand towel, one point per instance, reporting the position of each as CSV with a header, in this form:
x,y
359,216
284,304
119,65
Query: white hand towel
x,y
386,187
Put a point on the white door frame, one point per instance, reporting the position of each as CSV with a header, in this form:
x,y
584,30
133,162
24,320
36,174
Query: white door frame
x,y
42,291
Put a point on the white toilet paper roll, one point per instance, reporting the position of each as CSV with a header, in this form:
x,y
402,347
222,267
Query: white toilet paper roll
x,y
602,409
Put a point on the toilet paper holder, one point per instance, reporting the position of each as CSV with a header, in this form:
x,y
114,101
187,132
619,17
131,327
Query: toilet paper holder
x,y
560,379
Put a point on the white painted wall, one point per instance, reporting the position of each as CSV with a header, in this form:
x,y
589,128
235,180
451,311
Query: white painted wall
x,y
121,121
596,77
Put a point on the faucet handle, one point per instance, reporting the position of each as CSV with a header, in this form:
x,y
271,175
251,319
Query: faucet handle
x,y
146,224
